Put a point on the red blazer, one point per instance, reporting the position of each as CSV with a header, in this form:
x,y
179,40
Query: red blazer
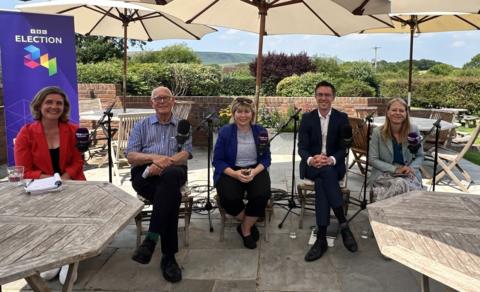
x,y
31,151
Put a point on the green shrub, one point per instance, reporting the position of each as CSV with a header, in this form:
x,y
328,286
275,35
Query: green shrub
x,y
184,79
354,88
459,92
237,85
303,85
269,118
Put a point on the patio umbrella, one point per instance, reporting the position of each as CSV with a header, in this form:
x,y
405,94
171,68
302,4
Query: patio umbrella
x,y
270,17
120,19
368,7
428,23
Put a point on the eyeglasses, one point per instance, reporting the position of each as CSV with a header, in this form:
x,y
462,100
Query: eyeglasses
x,y
161,98
320,94
243,100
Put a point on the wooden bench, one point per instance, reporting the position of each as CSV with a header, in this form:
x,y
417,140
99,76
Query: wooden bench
x,y
470,121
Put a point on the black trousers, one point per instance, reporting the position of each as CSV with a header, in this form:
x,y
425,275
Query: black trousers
x,y
232,192
327,192
164,193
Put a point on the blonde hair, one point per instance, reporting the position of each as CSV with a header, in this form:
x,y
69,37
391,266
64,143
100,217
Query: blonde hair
x,y
40,97
242,103
386,129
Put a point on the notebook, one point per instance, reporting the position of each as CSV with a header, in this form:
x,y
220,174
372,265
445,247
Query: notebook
x,y
44,185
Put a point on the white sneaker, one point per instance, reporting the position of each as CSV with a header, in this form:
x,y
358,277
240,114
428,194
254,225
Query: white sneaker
x,y
63,275
50,274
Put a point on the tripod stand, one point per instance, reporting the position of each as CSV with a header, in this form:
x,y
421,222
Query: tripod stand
x,y
291,201
108,134
435,160
363,202
208,205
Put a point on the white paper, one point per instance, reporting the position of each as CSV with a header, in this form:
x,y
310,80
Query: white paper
x,y
44,185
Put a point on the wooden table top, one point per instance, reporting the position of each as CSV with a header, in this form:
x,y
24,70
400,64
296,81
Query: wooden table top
x,y
39,232
436,234
423,124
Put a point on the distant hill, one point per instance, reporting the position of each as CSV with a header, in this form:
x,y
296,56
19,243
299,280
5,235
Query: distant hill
x,y
224,58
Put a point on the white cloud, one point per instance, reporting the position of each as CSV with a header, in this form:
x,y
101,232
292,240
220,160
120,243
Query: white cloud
x,y
458,44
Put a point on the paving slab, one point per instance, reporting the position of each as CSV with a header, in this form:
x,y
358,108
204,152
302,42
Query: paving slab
x,y
221,264
235,286
283,268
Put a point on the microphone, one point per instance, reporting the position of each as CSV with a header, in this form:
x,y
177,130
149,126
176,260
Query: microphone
x,y
414,142
436,124
369,117
347,136
83,139
263,142
183,133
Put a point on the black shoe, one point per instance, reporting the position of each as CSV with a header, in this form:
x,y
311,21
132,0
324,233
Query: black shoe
x,y
170,269
143,254
348,239
317,250
255,233
248,241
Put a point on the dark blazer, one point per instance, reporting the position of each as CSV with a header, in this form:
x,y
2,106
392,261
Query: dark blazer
x,y
31,151
225,152
310,139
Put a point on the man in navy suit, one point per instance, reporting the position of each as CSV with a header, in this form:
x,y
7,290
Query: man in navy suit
x,y
323,161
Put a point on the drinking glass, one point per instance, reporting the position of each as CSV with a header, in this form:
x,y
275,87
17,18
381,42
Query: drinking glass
x,y
15,174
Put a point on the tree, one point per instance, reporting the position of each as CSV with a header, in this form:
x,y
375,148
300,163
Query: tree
x,y
278,66
93,49
179,53
473,63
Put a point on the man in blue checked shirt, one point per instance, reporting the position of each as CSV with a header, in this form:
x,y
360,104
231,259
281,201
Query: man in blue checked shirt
x,y
158,173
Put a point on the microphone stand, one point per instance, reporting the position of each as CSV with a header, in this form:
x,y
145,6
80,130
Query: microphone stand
x,y
363,203
208,205
108,133
291,202
435,161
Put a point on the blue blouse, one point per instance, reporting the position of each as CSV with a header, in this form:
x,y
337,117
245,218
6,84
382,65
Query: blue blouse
x,y
397,153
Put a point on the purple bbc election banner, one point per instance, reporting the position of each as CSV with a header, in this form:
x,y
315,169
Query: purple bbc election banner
x,y
37,50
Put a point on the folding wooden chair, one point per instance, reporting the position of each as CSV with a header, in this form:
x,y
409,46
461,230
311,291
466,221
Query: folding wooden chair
x,y
359,143
363,111
125,126
448,160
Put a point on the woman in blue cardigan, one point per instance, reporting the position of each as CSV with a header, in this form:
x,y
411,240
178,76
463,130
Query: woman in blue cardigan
x,y
241,158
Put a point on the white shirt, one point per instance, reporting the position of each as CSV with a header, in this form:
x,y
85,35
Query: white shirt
x,y
324,126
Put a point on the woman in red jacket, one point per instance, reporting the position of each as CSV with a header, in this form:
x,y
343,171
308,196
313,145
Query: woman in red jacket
x,y
47,145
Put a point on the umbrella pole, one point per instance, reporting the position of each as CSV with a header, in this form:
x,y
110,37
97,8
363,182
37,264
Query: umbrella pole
x,y
410,64
124,85
263,13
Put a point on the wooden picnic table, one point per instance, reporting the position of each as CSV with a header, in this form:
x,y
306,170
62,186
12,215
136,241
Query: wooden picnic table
x,y
436,234
41,232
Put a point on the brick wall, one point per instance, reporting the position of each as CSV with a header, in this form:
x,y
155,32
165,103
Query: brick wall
x,y
203,106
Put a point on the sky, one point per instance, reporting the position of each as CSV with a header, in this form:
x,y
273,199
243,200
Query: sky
x,y
454,48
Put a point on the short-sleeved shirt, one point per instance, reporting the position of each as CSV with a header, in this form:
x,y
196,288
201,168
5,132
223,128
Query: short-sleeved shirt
x,y
246,149
149,136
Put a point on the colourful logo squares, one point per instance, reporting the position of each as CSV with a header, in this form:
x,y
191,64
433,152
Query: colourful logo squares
x,y
35,59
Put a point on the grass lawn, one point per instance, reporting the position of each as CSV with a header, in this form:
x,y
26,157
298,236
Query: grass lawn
x,y
468,130
473,156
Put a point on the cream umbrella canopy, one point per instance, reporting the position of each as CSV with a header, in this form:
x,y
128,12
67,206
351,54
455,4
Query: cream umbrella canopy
x,y
271,17
420,23
368,7
120,19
